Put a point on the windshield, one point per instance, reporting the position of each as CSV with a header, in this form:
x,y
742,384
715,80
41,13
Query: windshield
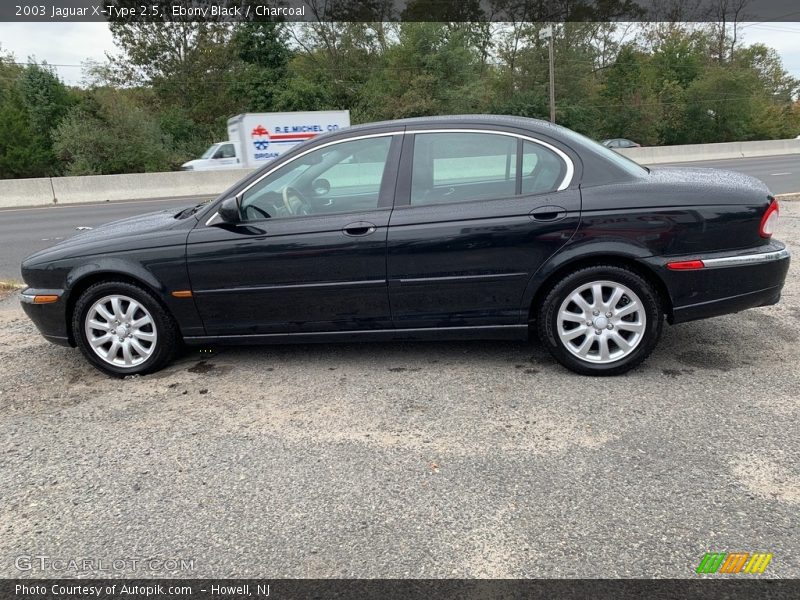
x,y
210,152
618,159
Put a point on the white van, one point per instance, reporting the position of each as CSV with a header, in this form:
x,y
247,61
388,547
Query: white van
x,y
257,138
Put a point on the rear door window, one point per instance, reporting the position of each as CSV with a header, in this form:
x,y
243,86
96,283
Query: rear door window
x,y
459,167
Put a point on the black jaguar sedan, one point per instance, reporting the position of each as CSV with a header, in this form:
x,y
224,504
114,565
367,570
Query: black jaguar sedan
x,y
429,228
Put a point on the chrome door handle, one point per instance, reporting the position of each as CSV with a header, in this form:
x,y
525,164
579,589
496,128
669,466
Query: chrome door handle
x,y
548,213
359,229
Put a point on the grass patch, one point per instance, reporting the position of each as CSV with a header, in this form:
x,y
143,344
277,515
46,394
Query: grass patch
x,y
10,285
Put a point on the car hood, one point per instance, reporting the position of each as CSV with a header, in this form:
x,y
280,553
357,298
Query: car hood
x,y
197,162
105,236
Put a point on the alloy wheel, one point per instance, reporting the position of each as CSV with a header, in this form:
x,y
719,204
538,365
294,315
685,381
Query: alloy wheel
x,y
601,322
120,331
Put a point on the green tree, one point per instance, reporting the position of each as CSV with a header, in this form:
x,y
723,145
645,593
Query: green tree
x,y
109,132
333,65
630,106
32,103
722,106
264,54
189,66
433,69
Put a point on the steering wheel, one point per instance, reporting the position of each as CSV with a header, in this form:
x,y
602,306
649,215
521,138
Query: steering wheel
x,y
295,202
256,209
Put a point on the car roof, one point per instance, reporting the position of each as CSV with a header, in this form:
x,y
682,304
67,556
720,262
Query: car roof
x,y
492,120
596,167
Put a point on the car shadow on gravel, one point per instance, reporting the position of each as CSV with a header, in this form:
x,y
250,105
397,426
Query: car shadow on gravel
x,y
720,344
365,354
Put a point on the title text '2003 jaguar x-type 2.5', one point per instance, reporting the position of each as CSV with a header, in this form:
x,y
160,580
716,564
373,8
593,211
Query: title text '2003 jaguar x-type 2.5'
x,y
448,227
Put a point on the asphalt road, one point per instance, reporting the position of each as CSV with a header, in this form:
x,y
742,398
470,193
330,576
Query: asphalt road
x,y
24,231
409,460
780,173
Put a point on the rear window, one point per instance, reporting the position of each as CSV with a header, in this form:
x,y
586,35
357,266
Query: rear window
x,y
542,169
625,163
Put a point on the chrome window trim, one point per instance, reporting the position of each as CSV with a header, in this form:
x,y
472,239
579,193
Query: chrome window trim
x,y
314,149
212,219
565,182
568,175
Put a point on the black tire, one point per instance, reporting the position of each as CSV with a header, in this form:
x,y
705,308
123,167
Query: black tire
x,y
643,345
167,340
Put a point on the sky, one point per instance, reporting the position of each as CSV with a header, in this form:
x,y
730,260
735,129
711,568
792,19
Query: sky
x,y
67,45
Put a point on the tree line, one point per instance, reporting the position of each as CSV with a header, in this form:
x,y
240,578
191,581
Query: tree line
x,y
167,93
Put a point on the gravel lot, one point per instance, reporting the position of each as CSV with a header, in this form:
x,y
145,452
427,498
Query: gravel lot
x,y
409,460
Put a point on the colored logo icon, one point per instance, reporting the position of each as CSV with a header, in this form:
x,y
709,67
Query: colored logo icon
x,y
734,562
262,137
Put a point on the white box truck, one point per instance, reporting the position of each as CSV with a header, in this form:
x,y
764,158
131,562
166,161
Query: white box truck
x,y
257,138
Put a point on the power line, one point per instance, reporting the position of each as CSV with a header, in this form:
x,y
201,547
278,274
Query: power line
x,y
779,29
772,19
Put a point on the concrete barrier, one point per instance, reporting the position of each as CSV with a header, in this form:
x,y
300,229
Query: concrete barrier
x,y
141,186
654,155
26,192
46,191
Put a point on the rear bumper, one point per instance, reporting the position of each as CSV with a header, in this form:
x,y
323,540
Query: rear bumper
x,y
724,306
50,319
728,282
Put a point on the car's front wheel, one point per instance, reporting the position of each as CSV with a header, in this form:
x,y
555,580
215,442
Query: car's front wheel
x,y
601,320
122,329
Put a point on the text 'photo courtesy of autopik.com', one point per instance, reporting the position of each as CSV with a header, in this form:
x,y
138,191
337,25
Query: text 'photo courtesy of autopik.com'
x,y
399,299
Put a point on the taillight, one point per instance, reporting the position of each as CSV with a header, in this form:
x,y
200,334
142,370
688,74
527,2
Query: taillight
x,y
769,220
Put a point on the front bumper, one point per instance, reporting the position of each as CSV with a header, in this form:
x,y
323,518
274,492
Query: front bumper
x,y
728,282
50,318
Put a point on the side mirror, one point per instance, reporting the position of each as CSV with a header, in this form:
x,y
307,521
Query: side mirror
x,y
228,211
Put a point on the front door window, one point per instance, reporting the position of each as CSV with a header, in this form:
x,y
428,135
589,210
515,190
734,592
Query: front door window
x,y
340,178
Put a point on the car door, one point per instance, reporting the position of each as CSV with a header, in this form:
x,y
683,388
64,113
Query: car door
x,y
477,213
310,251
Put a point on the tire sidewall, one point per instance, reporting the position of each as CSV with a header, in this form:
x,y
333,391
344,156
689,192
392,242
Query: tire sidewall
x,y
161,319
548,319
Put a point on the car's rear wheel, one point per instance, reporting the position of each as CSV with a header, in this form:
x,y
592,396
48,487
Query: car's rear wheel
x,y
601,320
122,329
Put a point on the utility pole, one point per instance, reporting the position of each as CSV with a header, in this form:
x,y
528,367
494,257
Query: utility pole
x,y
547,33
